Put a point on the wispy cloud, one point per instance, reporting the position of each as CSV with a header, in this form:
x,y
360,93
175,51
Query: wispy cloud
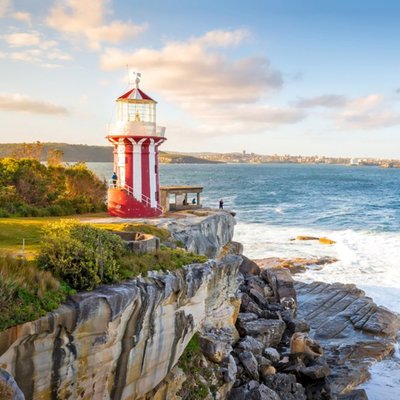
x,y
326,100
20,103
87,19
368,112
32,47
22,16
5,6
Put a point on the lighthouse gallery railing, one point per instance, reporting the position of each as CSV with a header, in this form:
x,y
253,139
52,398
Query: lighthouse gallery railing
x,y
144,199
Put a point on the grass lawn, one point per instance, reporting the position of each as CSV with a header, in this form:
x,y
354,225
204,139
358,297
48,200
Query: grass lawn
x,y
14,230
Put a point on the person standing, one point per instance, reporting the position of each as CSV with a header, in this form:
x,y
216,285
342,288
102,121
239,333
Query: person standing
x,y
221,204
114,179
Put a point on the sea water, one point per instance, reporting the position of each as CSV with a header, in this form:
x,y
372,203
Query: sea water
x,y
358,207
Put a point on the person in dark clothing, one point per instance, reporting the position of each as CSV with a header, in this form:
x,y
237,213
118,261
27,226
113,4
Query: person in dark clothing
x,y
221,204
114,179
194,201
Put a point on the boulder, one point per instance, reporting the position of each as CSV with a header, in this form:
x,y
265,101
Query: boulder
x,y
316,370
281,282
249,363
251,344
262,393
248,305
249,267
266,370
306,238
325,240
215,346
269,331
285,386
258,297
301,343
230,370
244,317
272,354
240,392
298,325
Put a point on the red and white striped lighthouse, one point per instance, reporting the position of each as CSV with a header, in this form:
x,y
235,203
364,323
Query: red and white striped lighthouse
x,y
135,191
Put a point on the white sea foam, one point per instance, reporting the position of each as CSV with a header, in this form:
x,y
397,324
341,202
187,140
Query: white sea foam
x,y
368,259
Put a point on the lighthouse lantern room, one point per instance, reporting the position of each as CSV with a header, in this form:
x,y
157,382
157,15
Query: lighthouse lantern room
x,y
134,190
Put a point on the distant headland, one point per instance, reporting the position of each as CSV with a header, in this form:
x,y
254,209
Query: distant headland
x,y
91,153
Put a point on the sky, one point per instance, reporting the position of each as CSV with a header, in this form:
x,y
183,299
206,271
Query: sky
x,y
306,77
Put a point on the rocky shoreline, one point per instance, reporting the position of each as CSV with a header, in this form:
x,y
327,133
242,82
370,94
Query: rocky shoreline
x,y
260,334
331,335
293,341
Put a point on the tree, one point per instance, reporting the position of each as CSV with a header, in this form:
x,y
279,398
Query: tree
x,y
54,157
28,150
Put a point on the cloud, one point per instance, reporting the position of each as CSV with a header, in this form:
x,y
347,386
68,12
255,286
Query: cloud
x,y
368,112
22,39
21,103
4,7
327,100
87,18
219,93
189,71
22,16
32,47
244,119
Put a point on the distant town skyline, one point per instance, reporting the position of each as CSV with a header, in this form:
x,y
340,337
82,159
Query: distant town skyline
x,y
269,77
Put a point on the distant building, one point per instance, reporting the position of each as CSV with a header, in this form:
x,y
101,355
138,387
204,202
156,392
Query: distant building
x,y
354,161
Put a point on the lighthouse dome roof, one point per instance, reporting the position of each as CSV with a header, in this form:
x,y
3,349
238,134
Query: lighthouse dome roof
x,y
135,94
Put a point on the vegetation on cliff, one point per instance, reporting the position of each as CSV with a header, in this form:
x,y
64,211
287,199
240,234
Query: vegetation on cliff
x,y
29,188
201,381
80,254
73,257
27,292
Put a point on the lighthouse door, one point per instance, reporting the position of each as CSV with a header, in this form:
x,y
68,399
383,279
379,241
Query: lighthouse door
x,y
121,164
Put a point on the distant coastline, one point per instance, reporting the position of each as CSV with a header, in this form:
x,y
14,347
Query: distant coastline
x,y
89,153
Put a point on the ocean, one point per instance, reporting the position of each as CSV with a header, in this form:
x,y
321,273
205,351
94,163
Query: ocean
x,y
358,207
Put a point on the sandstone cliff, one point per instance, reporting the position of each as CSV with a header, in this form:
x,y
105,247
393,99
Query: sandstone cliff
x,y
119,342
203,234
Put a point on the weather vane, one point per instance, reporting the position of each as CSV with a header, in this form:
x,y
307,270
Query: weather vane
x,y
137,76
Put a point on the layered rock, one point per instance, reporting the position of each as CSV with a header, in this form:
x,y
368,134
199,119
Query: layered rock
x,y
119,342
352,329
203,234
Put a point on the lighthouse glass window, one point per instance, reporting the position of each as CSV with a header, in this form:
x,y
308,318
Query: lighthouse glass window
x,y
144,112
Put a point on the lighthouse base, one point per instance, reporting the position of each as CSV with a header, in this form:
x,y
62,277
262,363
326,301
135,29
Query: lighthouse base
x,y
121,204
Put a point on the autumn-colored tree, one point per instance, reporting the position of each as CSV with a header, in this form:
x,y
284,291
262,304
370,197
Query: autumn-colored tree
x,y
54,157
28,150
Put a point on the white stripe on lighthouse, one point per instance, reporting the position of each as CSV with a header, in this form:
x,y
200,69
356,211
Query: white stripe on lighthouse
x,y
120,170
137,169
152,173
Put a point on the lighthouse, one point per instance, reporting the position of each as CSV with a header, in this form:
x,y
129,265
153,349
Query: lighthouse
x,y
134,190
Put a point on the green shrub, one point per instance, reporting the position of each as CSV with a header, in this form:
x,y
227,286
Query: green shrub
x,y
29,189
26,292
80,254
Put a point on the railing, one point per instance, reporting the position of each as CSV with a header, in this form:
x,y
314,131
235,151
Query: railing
x,y
135,128
144,199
